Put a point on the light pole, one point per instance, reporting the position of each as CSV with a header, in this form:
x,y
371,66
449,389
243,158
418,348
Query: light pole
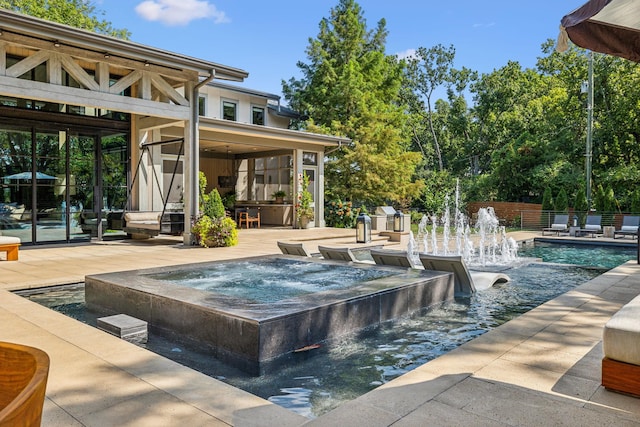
x,y
589,144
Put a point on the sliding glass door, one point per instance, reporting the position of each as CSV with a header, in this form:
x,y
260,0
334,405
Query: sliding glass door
x,y
16,180
49,207
61,185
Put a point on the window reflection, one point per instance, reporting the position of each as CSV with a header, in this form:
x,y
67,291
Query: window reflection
x,y
259,178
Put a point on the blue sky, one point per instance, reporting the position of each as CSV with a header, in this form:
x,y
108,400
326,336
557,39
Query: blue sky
x,y
267,38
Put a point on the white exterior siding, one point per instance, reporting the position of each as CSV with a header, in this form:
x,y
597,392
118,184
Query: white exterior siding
x,y
215,96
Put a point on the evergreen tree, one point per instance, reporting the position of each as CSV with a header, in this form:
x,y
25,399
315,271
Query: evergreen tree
x,y
635,202
213,206
547,205
547,200
599,198
581,206
561,202
351,87
608,206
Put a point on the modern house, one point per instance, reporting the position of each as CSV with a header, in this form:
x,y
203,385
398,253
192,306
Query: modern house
x,y
92,126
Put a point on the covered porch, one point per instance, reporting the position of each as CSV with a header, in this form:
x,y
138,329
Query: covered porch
x,y
75,109
248,163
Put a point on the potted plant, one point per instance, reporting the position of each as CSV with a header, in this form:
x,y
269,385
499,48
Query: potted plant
x,y
279,196
212,228
304,210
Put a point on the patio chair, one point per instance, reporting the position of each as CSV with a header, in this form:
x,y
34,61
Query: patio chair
x,y
466,282
23,380
249,216
559,225
338,254
391,258
293,249
593,226
629,227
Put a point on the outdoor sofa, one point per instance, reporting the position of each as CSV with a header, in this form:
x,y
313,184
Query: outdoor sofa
x,y
621,347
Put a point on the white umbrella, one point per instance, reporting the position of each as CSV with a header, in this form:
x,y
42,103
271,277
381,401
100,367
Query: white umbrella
x,y
27,176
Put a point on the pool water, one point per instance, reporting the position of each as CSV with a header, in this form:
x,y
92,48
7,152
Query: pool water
x,y
587,255
312,383
266,281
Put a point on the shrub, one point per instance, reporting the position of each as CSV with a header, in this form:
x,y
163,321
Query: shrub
x,y
212,205
340,214
229,199
215,232
303,205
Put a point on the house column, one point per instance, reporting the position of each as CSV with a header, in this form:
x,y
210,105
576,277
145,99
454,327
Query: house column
x,y
297,172
191,164
320,196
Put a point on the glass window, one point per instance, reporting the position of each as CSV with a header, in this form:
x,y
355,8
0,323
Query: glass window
x,y
174,148
259,178
114,171
273,162
202,104
229,110
257,115
309,159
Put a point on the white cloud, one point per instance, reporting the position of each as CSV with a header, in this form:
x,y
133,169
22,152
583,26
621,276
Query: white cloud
x,y
407,54
489,25
180,12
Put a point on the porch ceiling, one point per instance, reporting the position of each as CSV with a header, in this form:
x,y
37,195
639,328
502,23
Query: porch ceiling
x,y
224,136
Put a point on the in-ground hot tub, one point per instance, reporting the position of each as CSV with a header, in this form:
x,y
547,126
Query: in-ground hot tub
x,y
252,310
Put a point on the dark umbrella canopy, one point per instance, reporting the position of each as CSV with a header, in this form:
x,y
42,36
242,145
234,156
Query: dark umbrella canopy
x,y
605,26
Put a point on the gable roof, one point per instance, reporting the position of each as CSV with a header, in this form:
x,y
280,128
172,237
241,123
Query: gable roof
x,y
59,33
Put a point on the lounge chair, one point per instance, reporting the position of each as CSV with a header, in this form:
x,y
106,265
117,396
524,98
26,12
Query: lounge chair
x,y
629,227
338,254
466,282
593,226
559,225
23,372
293,249
391,258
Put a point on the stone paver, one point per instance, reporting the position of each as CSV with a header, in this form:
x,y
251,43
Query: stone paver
x,y
542,368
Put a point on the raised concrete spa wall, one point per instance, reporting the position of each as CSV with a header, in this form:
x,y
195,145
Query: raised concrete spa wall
x,y
246,334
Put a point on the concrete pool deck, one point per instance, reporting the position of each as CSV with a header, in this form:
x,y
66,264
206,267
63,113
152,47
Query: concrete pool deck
x,y
541,368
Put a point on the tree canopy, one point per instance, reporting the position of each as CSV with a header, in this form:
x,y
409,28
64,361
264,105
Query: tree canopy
x,y
351,87
76,13
508,135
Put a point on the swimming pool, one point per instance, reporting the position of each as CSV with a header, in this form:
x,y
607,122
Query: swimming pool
x,y
590,255
314,382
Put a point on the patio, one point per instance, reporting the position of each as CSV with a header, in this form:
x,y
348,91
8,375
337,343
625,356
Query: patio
x,y
543,367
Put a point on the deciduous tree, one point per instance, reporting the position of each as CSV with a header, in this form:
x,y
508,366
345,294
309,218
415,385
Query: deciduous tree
x,y
76,13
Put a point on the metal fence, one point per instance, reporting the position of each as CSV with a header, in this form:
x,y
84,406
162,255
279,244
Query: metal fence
x,y
536,219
